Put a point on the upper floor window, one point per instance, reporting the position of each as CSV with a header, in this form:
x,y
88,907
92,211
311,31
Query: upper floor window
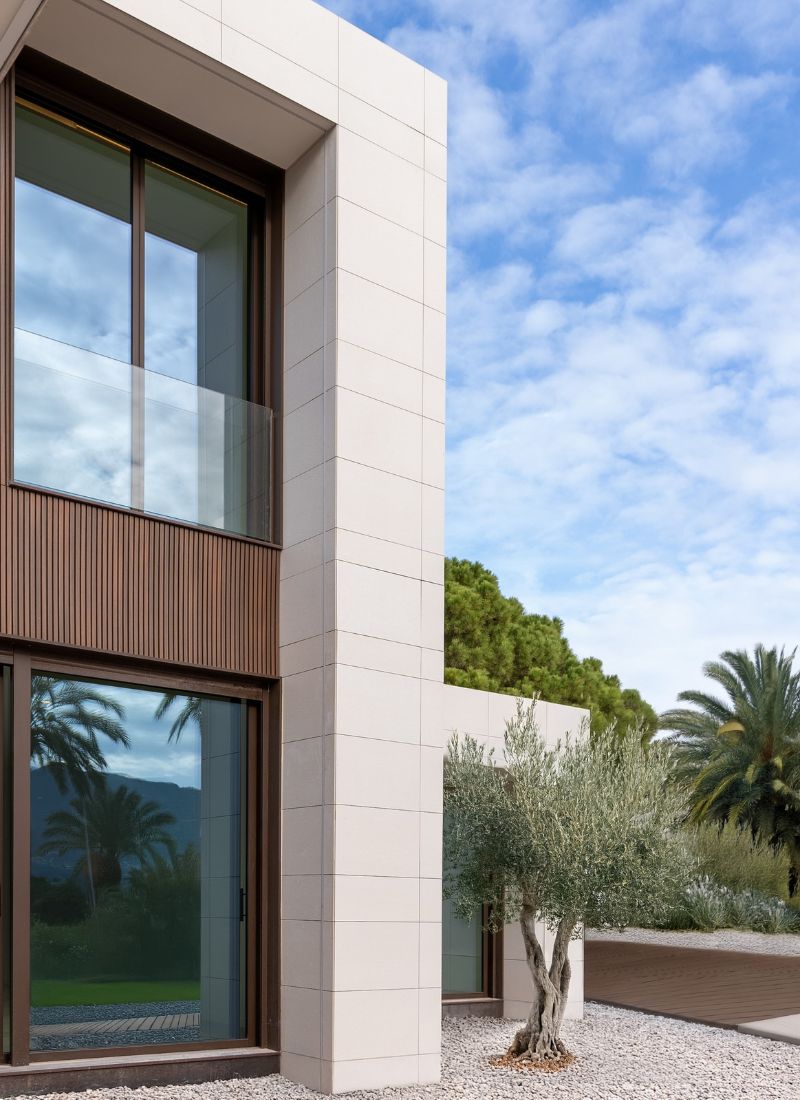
x,y
135,376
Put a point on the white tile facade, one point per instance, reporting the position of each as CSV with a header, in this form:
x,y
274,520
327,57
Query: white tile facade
x,y
483,715
364,266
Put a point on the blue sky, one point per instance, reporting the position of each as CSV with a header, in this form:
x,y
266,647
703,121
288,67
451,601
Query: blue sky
x,y
624,315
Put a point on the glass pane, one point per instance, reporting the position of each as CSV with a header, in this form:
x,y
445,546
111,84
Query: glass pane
x,y
72,310
72,420
195,284
72,236
462,945
5,849
462,951
206,457
137,866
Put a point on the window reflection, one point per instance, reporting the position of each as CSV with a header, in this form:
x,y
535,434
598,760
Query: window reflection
x,y
72,297
462,951
72,236
175,434
195,283
462,944
72,420
137,856
195,333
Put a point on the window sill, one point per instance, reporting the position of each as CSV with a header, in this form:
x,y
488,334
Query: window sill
x,y
136,1070
472,1006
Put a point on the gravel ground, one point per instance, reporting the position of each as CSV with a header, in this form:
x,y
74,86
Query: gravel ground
x,y
68,1014
727,939
621,1055
95,1041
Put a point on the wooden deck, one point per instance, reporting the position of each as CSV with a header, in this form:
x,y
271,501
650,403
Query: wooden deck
x,y
174,1022
723,988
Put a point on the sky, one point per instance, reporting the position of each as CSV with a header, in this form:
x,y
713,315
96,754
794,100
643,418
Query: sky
x,y
623,315
152,755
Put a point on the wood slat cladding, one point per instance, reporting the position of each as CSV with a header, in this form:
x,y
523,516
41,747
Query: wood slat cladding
x,y
103,580
91,578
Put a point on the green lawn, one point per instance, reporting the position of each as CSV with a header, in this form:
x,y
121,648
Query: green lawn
x,y
45,993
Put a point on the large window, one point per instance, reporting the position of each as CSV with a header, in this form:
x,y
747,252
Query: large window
x,y
136,367
138,869
133,864
469,952
462,953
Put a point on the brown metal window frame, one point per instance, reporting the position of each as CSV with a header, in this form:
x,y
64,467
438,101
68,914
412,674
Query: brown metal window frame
x,y
491,990
261,913
151,135
491,969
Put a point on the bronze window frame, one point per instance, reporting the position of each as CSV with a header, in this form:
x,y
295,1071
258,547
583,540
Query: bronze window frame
x,y
490,996
154,136
262,915
491,970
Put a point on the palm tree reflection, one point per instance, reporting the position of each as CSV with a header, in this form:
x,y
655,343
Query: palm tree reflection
x,y
119,825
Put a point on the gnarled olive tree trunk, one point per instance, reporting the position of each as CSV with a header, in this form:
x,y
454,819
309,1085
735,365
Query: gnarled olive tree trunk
x,y
539,1039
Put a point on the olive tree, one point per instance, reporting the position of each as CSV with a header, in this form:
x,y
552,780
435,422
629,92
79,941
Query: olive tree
x,y
581,834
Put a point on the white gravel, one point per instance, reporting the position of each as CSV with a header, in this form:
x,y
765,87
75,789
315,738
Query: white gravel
x,y
726,939
621,1055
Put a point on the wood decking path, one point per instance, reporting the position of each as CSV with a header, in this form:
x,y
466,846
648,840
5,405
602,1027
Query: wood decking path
x,y
724,988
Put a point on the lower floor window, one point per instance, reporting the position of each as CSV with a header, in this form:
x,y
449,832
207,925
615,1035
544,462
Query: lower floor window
x,y
142,858
462,952
469,952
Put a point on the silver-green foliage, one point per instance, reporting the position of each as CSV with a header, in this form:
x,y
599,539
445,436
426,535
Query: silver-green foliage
x,y
588,830
708,905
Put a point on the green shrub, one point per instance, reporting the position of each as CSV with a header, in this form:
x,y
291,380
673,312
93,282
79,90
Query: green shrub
x,y
58,902
730,858
148,929
708,905
59,950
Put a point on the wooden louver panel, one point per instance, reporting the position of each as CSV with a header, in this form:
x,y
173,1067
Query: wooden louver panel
x,y
79,575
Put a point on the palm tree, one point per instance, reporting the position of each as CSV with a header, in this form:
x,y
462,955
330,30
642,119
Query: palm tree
x,y
119,825
68,717
740,755
189,712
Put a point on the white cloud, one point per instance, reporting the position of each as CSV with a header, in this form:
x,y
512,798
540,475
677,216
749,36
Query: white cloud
x,y
614,476
697,122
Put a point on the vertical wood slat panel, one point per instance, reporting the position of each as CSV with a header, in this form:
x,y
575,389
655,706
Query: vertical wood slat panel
x,y
79,575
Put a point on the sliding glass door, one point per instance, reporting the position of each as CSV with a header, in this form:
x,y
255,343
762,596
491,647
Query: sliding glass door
x,y
138,866
6,714
130,862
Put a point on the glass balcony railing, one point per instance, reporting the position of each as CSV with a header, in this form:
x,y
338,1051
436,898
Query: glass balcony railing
x,y
94,427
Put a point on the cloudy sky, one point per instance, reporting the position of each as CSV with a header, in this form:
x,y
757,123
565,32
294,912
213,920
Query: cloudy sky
x,y
624,315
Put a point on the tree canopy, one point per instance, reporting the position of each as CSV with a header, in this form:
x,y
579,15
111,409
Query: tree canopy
x,y
583,833
739,755
492,643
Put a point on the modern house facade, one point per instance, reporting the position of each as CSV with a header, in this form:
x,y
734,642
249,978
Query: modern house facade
x,y
222,360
